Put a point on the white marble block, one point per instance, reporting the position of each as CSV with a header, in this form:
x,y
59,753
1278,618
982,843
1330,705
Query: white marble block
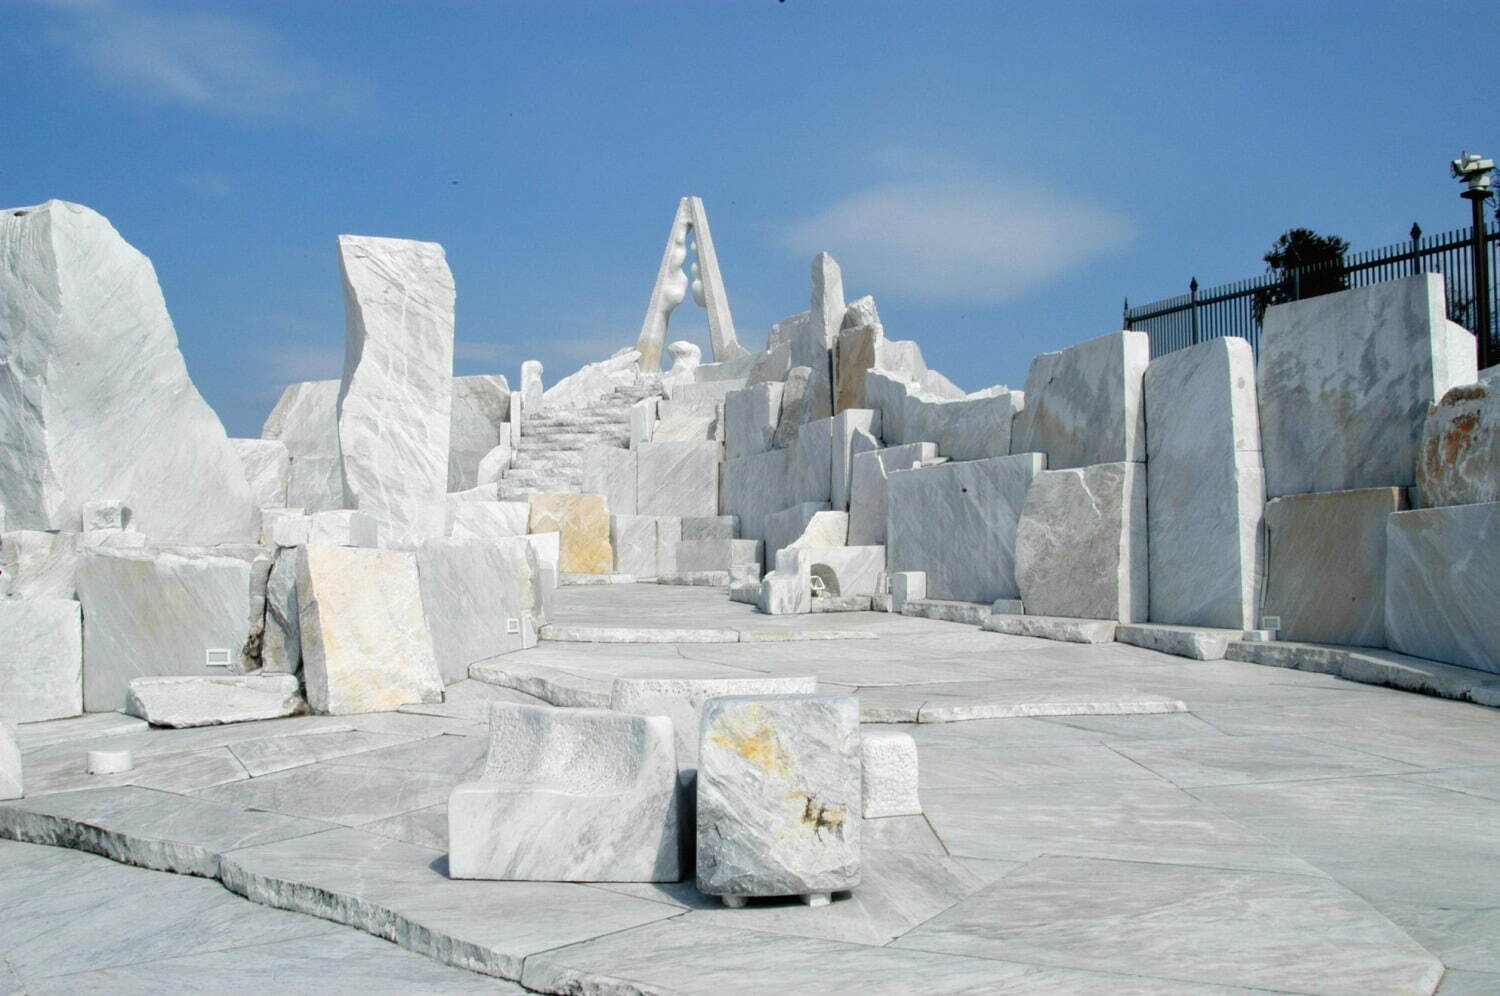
x,y
681,700
1345,380
785,527
888,773
108,514
754,487
704,527
95,398
784,594
494,464
581,523
1442,584
268,469
479,599
305,420
957,522
365,642
794,406
34,564
869,489
634,539
1081,543
205,700
855,431
718,555
611,471
395,403
1083,403
281,646
177,612
809,475
843,570
669,529
1459,460
531,386
487,520
750,417
1325,579
283,527
344,527
477,425
1205,486
11,781
570,795
906,586
41,659
964,428
779,797
679,479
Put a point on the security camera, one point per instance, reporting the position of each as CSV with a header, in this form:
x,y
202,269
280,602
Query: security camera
x,y
1473,170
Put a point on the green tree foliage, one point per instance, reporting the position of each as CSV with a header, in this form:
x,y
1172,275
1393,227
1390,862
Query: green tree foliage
x,y
1309,264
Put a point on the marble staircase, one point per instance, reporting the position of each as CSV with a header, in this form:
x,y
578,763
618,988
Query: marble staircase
x,y
549,454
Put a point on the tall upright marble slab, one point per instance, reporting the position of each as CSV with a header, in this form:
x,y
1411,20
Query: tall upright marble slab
x,y
868,488
672,286
1345,380
750,417
1083,403
611,471
753,488
306,420
1205,486
679,479
854,431
1081,543
957,522
478,598
396,399
95,399
1442,584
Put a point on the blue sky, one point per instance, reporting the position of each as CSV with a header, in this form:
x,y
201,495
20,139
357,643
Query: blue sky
x,y
998,175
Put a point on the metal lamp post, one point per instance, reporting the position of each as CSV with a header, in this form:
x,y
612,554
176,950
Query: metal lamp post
x,y
1476,172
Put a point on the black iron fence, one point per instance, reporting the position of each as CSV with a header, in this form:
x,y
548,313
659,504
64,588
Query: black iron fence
x,y
1235,309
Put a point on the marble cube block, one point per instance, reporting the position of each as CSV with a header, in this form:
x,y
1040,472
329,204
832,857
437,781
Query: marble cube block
x,y
570,795
41,659
779,797
707,527
582,525
283,527
1084,403
888,773
1442,584
1459,459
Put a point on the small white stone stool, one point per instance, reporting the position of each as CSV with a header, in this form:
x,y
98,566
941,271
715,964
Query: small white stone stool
x,y
888,763
109,762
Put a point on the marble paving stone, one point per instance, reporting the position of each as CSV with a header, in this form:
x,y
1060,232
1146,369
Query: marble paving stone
x,y
750,417
581,795
976,766
209,700
752,488
479,599
681,700
147,828
305,419
634,539
1205,486
685,956
336,792
1281,932
1441,587
611,471
365,642
868,488
1481,781
468,703
1463,983
422,827
401,893
1345,381
1327,567
1084,403
1241,760
957,522
969,428
395,402
1463,939
41,659
268,754
1459,459
582,523
678,479
1081,543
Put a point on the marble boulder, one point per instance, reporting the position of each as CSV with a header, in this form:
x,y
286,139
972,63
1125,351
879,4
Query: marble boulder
x,y
41,659
1442,584
570,795
203,700
1459,459
779,796
1083,403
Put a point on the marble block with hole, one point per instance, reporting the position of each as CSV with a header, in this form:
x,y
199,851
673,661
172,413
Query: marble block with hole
x,y
11,783
779,797
888,774
41,659
212,700
570,795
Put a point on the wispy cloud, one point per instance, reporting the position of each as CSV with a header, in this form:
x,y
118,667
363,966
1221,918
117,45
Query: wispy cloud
x,y
958,239
217,63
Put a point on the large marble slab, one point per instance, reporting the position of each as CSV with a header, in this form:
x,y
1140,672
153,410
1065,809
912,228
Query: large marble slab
x,y
479,599
868,487
41,659
750,418
967,428
679,479
1084,403
305,419
1345,380
611,471
582,525
1442,584
754,487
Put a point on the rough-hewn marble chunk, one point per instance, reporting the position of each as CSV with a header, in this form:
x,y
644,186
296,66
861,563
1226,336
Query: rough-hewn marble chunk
x,y
487,520
306,420
34,564
1459,460
868,488
681,700
964,428
679,479
365,642
1194,642
750,417
1345,380
1442,584
784,527
1061,628
212,700
752,488
611,471
1083,403
268,469
479,599
784,594
477,424
779,796
41,659
281,646
95,399
570,795
888,774
149,613
396,399
1081,543
11,781
1205,486
1326,572
582,525
957,522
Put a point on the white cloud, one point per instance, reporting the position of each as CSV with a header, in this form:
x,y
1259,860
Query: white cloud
x,y
972,241
209,61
